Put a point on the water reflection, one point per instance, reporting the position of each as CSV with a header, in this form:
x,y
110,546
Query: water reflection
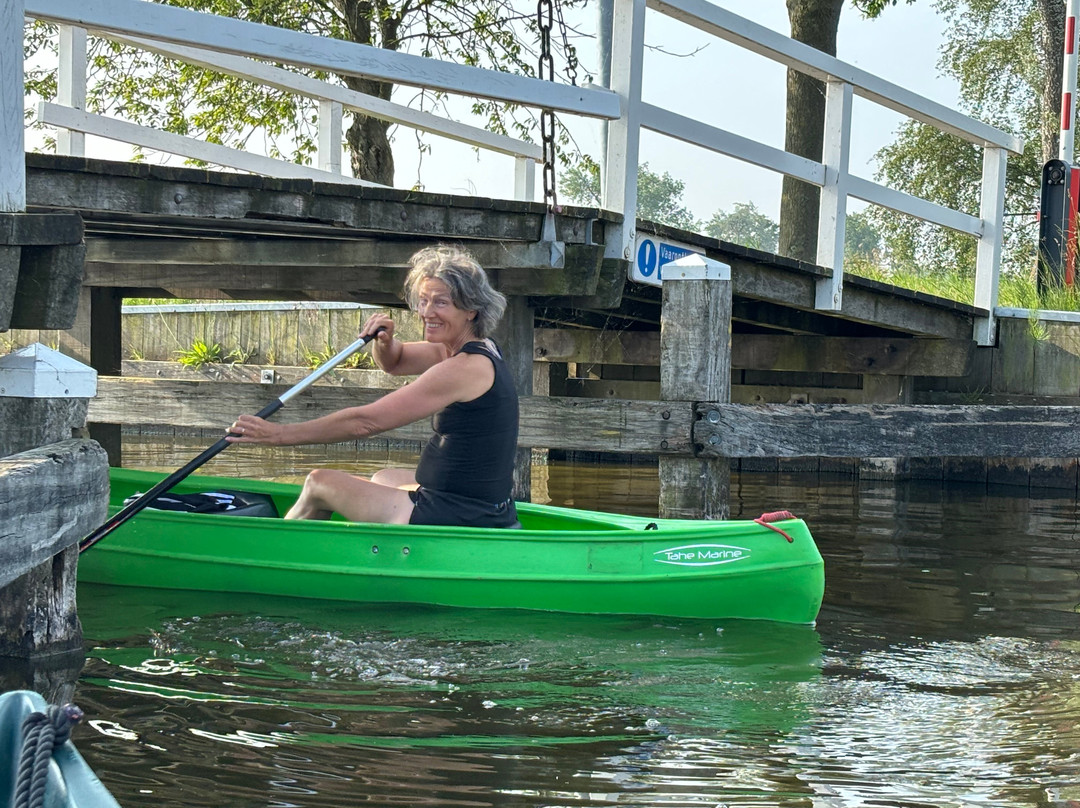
x,y
943,672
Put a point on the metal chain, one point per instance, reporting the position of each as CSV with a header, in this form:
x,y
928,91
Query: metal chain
x,y
568,49
546,71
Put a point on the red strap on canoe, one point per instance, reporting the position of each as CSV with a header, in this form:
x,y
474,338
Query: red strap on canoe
x,y
776,516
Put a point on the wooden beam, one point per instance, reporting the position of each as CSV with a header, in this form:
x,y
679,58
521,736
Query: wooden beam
x,y
872,355
559,423
352,267
899,430
656,427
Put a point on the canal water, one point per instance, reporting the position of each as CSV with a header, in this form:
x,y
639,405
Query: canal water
x,y
944,670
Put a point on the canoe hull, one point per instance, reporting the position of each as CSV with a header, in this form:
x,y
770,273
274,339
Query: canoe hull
x,y
567,561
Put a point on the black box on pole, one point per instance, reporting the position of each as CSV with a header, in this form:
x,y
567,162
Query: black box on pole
x,y
1057,214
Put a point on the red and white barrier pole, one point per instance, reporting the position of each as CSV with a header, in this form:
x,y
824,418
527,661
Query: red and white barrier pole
x,y
1067,139
1068,82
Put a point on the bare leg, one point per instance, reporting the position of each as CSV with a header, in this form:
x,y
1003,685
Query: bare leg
x,y
356,498
396,478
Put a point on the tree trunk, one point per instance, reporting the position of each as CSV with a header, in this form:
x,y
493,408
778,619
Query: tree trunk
x,y
1051,46
815,23
369,145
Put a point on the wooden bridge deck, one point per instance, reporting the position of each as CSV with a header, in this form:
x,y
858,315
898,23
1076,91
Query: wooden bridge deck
x,y
156,231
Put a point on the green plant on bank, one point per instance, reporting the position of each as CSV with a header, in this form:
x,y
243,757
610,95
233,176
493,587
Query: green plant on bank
x,y
199,354
239,355
1015,290
361,360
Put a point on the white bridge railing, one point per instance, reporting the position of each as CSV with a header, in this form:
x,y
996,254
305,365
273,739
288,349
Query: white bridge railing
x,y
234,46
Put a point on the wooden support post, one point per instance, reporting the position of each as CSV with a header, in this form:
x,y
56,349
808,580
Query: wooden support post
x,y
515,339
106,357
695,365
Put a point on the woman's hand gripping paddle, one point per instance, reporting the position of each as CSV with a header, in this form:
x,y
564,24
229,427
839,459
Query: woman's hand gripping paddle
x,y
143,501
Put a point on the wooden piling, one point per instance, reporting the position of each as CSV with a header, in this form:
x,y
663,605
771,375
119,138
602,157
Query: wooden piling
x,y
106,357
695,365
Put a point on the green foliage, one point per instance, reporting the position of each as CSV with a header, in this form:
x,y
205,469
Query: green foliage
x,y
873,8
581,182
993,51
745,225
659,195
862,240
199,354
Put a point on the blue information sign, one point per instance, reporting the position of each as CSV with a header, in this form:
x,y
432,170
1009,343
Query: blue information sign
x,y
652,254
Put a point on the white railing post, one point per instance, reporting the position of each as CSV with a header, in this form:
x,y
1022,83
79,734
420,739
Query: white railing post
x,y
832,215
524,179
619,173
330,115
988,260
71,86
12,144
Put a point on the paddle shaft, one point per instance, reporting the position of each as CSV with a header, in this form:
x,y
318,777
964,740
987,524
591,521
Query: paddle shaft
x,y
144,500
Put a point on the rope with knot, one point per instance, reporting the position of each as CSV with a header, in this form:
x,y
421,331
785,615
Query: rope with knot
x,y
42,734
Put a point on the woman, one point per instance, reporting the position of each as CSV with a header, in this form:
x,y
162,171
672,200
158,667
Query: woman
x,y
465,474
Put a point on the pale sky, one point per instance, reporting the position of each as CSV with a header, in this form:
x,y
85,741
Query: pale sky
x,y
729,88
720,84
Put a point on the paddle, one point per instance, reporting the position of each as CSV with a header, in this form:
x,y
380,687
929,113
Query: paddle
x,y
144,500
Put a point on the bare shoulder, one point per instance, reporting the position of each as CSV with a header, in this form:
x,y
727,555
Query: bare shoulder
x,y
468,375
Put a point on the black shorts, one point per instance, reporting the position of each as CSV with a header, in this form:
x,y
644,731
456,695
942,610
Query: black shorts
x,y
442,508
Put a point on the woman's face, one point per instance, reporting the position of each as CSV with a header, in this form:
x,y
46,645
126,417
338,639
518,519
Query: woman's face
x,y
443,321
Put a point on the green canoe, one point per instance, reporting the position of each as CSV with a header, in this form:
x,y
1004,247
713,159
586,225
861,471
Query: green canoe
x,y
561,560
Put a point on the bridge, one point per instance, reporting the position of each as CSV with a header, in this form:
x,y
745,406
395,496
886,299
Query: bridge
x,y
271,229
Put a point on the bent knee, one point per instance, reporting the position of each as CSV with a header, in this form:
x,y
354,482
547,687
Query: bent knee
x,y
322,478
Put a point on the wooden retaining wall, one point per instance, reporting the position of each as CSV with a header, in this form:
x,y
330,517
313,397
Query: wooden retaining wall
x,y
1027,369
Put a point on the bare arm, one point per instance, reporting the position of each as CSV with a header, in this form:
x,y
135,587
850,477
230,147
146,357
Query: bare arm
x,y
396,357
463,377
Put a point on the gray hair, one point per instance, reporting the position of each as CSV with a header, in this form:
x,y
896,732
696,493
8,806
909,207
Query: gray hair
x,y
470,289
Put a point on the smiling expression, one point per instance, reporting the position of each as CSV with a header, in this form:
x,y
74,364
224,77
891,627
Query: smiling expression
x,y
443,321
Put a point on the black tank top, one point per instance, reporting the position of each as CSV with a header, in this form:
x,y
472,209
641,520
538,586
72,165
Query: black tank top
x,y
475,442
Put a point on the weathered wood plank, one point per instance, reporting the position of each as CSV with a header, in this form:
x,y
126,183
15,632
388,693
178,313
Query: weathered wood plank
x,y
655,427
31,422
353,266
898,430
868,355
50,497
